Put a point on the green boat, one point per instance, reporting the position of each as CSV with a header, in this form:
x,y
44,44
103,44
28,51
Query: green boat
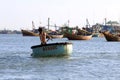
x,y
52,50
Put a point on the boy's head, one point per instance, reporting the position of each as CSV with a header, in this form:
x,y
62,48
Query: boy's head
x,y
40,29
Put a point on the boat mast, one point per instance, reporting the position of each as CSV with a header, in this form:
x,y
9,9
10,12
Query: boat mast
x,y
33,26
68,23
55,27
88,24
48,23
105,21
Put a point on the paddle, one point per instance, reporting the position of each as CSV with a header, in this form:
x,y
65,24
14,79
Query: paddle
x,y
49,39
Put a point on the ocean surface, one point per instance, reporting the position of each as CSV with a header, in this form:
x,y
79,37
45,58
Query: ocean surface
x,y
95,59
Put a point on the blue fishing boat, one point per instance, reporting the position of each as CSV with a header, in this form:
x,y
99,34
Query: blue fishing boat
x,y
52,49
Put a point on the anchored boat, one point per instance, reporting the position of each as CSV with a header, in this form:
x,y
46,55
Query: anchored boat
x,y
52,49
29,33
111,37
78,37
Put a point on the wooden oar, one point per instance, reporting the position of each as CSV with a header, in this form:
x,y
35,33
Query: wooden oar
x,y
49,39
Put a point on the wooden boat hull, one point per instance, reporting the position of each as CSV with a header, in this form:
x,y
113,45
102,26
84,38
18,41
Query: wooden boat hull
x,y
51,50
28,33
78,37
111,37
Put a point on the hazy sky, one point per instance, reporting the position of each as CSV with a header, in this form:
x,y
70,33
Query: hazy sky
x,y
17,14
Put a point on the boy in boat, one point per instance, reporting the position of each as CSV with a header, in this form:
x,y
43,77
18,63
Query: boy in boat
x,y
43,36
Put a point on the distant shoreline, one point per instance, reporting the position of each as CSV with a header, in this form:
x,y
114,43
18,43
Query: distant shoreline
x,y
10,32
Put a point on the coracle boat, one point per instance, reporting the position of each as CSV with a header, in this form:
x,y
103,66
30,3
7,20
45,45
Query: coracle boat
x,y
77,36
28,33
52,50
111,37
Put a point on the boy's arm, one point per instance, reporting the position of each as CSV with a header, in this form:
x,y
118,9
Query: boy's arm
x,y
48,36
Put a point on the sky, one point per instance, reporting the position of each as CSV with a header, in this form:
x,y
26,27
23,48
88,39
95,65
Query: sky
x,y
19,14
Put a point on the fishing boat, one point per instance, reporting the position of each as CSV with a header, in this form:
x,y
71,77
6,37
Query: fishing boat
x,y
33,32
57,36
111,37
52,50
29,33
77,36
97,35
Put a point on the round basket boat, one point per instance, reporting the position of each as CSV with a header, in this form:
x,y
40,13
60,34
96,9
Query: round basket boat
x,y
52,49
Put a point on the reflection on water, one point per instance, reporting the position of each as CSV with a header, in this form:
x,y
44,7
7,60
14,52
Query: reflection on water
x,y
95,59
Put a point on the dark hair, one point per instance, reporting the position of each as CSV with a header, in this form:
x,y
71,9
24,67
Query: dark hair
x,y
40,29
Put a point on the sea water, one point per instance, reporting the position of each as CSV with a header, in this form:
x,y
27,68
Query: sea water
x,y
94,59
